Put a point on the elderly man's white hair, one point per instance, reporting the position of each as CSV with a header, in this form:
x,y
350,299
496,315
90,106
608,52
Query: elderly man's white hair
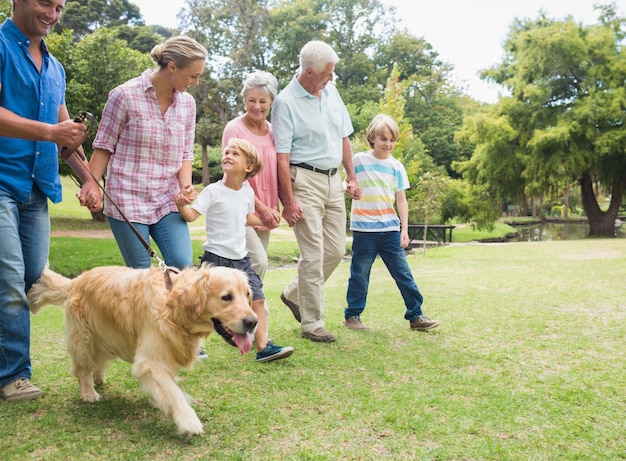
x,y
317,55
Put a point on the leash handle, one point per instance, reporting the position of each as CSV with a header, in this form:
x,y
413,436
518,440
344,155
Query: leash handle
x,y
89,120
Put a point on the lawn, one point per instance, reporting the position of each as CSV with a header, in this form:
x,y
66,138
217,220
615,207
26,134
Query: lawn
x,y
525,366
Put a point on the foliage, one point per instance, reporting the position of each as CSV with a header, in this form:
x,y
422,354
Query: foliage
x,y
392,104
94,66
5,10
83,17
427,197
140,38
564,122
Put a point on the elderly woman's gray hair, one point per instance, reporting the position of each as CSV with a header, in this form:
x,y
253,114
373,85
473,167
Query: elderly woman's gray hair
x,y
264,81
317,55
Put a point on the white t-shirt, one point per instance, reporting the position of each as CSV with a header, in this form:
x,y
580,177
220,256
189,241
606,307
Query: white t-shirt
x,y
226,210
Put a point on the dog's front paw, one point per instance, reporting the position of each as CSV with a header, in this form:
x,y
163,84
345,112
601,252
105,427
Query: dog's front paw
x,y
191,426
90,397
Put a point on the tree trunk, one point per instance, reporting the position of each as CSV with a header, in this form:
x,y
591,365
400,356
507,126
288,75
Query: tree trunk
x,y
206,172
98,216
601,223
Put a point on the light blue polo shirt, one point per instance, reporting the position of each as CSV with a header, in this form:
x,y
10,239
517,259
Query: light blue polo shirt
x,y
34,95
311,130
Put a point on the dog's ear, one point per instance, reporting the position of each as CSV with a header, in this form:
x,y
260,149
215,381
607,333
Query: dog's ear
x,y
203,287
187,294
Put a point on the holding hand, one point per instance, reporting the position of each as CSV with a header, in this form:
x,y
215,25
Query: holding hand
x,y
352,189
293,213
186,195
270,217
90,196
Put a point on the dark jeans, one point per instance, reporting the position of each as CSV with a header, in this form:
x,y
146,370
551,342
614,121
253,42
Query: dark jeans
x,y
365,247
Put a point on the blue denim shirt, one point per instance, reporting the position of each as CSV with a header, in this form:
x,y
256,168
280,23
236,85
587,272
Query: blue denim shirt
x,y
34,95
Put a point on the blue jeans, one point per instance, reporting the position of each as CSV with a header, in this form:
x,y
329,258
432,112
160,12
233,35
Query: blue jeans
x,y
171,234
365,247
25,231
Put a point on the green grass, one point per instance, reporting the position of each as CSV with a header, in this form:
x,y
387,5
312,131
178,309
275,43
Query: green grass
x,y
526,365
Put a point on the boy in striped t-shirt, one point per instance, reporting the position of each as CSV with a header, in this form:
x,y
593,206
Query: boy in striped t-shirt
x,y
377,229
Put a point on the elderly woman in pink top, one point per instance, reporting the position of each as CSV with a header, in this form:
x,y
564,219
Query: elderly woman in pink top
x,y
146,141
259,91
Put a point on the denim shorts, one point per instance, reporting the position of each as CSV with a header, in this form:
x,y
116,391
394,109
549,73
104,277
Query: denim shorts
x,y
242,264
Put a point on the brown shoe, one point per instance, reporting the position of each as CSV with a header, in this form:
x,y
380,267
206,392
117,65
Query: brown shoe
x,y
354,323
293,307
319,335
20,390
423,323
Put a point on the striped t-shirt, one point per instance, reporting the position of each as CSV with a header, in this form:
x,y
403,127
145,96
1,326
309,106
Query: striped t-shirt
x,y
379,181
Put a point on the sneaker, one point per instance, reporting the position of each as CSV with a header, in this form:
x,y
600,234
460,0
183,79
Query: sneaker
x,y
19,390
201,354
319,335
273,352
293,307
423,323
354,323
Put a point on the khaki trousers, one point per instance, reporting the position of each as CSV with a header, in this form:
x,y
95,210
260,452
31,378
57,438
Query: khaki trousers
x,y
257,242
321,236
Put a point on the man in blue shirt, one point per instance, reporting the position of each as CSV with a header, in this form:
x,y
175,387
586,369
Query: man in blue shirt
x,y
34,122
311,126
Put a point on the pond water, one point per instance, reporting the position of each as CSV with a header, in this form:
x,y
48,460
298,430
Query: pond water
x,y
557,231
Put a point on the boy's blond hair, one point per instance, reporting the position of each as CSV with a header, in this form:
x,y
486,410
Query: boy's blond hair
x,y
252,155
378,125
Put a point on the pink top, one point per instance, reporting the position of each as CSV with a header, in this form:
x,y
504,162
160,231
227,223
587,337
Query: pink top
x,y
264,184
147,147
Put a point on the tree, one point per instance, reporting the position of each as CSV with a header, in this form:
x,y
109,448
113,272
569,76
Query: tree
x,y
85,16
5,10
291,25
429,193
140,38
433,105
565,120
354,29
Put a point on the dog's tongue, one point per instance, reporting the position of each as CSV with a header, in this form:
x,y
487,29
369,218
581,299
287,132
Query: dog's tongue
x,y
243,342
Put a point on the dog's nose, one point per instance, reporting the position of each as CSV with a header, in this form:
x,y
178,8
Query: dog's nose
x,y
249,323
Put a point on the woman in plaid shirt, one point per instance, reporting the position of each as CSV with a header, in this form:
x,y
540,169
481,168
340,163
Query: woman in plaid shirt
x,y
145,141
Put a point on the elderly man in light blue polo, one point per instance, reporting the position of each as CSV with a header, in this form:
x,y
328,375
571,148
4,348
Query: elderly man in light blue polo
x,y
311,126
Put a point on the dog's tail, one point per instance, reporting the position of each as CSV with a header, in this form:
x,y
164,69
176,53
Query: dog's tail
x,y
51,288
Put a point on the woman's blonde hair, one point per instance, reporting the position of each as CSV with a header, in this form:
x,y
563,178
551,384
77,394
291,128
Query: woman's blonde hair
x,y
181,50
252,155
378,125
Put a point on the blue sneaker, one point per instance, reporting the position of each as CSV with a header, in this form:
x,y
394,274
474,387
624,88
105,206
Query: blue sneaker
x,y
201,354
273,352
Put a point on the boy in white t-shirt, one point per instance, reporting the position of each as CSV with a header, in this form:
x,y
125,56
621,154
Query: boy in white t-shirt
x,y
376,228
229,206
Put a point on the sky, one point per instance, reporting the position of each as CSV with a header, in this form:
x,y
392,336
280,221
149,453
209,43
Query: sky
x,y
466,33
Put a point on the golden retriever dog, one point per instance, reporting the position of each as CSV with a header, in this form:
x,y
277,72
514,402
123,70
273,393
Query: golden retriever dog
x,y
152,319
